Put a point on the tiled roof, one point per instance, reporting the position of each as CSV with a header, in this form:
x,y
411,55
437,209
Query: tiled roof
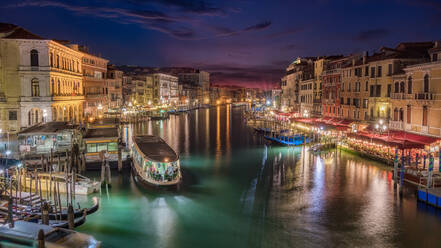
x,y
6,27
16,32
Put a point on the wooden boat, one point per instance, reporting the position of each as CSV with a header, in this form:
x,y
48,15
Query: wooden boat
x,y
155,163
25,234
83,185
159,115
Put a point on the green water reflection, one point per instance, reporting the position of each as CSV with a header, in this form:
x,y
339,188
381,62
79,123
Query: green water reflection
x,y
241,193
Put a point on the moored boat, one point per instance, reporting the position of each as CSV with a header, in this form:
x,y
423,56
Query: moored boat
x,y
155,163
26,234
83,185
159,115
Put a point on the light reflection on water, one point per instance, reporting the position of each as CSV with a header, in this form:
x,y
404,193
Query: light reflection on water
x,y
247,194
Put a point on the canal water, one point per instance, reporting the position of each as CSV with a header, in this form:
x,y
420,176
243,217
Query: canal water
x,y
240,192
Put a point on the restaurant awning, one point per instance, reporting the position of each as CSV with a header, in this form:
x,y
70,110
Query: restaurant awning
x,y
388,139
416,138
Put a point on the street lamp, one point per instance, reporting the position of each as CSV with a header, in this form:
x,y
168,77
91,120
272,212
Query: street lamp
x,y
44,115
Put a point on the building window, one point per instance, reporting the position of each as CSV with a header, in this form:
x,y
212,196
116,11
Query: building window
x,y
12,115
409,85
425,115
379,71
52,60
401,114
435,57
366,71
365,103
426,83
58,87
35,87
58,61
389,69
378,91
409,114
372,72
395,114
34,57
402,87
389,89
366,86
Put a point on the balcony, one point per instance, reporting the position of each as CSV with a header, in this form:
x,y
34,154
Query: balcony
x,y
425,96
397,125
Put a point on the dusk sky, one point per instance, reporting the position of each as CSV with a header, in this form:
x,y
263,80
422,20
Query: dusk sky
x,y
240,42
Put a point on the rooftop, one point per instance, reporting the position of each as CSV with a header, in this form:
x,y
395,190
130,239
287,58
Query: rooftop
x,y
110,132
15,32
49,127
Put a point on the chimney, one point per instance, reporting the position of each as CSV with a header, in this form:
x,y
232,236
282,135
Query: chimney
x,y
74,46
365,54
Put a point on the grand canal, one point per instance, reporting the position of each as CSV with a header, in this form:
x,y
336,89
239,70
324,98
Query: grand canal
x,y
240,192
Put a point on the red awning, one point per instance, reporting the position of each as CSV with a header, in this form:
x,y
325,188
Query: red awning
x,y
387,140
417,138
283,113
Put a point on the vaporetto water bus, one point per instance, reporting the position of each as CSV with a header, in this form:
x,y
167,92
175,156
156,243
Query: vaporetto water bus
x,y
155,163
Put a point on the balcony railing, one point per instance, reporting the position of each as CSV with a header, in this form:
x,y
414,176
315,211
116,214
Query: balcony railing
x,y
396,125
424,96
401,96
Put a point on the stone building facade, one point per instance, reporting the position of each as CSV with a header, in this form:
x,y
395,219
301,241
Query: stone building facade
x,y
40,80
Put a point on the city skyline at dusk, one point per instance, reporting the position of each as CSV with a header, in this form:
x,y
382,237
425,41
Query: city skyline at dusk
x,y
239,42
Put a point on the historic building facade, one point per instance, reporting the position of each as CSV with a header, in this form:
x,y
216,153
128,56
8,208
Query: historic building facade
x,y
417,105
40,80
95,85
114,87
165,89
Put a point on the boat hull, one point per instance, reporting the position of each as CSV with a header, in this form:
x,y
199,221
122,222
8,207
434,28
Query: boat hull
x,y
145,182
45,185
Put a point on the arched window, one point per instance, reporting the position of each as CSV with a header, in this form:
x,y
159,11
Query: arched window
x,y
34,57
35,87
426,83
58,61
58,87
52,87
397,86
409,114
409,85
401,114
402,87
395,114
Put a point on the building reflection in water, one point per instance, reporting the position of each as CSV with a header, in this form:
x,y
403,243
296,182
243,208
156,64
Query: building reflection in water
x,y
186,134
218,133
207,130
335,199
227,131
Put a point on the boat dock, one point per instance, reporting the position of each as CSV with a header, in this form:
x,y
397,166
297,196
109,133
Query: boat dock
x,y
431,196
